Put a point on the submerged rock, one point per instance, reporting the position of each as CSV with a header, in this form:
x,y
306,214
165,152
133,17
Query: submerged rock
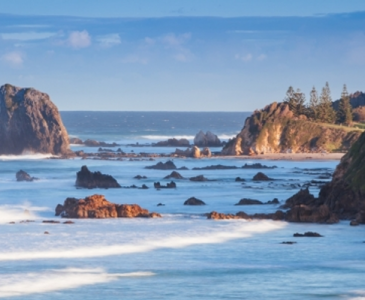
x,y
30,122
24,176
171,185
307,234
246,201
90,180
96,206
194,201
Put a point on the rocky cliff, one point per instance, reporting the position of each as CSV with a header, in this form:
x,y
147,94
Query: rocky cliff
x,y
274,129
30,122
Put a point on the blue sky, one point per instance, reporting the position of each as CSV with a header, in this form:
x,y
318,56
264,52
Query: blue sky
x,y
180,55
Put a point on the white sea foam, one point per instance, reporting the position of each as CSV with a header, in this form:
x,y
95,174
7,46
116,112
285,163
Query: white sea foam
x,y
233,230
188,137
26,156
18,213
358,295
54,280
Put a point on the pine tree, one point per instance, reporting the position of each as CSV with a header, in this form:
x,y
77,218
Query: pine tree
x,y
326,112
296,101
314,104
344,113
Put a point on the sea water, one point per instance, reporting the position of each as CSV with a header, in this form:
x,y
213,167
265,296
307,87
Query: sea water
x,y
181,255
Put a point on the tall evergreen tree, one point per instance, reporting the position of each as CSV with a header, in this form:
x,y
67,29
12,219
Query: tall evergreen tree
x,y
314,104
326,112
295,100
344,113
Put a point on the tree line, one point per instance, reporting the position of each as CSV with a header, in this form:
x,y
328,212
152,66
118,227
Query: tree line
x,y
320,107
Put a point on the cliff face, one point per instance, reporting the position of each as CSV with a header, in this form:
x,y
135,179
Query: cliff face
x,y
29,121
345,194
274,129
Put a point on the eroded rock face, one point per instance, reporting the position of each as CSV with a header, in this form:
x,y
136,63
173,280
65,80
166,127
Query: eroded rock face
x,y
274,129
30,122
87,179
96,206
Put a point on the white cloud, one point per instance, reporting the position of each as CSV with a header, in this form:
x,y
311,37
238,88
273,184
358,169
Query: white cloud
x,y
14,58
79,39
261,57
27,36
173,40
109,40
245,58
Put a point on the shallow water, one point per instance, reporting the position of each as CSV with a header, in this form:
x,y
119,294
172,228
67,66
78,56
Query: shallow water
x,y
182,255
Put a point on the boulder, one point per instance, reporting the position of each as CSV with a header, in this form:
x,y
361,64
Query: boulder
x,y
169,165
206,152
175,175
194,201
96,206
24,176
90,180
30,122
140,177
75,141
239,179
195,152
261,177
246,201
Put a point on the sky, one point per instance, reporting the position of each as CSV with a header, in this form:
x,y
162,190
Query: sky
x,y
162,55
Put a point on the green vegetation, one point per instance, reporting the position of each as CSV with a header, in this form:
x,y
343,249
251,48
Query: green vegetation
x,y
344,113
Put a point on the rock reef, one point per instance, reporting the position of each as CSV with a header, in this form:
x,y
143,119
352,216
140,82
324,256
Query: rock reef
x,y
87,179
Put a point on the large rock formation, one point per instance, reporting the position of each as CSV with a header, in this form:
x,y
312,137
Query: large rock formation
x,y
30,122
207,140
96,206
274,129
87,179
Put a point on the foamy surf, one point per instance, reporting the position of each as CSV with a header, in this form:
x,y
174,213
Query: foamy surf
x,y
233,230
26,156
54,280
18,213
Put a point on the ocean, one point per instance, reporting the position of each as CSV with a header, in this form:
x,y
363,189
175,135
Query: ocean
x,y
181,255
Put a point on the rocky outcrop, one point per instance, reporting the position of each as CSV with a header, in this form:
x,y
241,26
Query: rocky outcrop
x,y
96,206
194,201
24,176
246,201
175,175
274,129
216,167
30,122
173,143
198,178
257,166
169,165
87,179
93,143
207,140
261,177
277,216
194,152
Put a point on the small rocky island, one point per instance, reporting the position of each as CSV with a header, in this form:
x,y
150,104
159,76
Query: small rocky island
x,y
30,122
96,206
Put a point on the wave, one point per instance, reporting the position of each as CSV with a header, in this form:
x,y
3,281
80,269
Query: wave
x,y
17,213
55,280
26,156
234,230
188,137
357,295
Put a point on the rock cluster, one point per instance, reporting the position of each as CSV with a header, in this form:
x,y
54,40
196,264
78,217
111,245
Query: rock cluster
x,y
30,122
96,206
169,165
87,179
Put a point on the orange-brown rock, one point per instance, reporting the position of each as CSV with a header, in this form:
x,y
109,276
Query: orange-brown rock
x,y
220,216
96,206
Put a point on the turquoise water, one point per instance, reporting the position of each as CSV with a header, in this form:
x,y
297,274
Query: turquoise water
x,y
180,256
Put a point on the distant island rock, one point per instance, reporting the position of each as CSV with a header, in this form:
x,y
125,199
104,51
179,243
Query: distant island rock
x,y
30,122
97,207
207,140
87,179
24,176
274,129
